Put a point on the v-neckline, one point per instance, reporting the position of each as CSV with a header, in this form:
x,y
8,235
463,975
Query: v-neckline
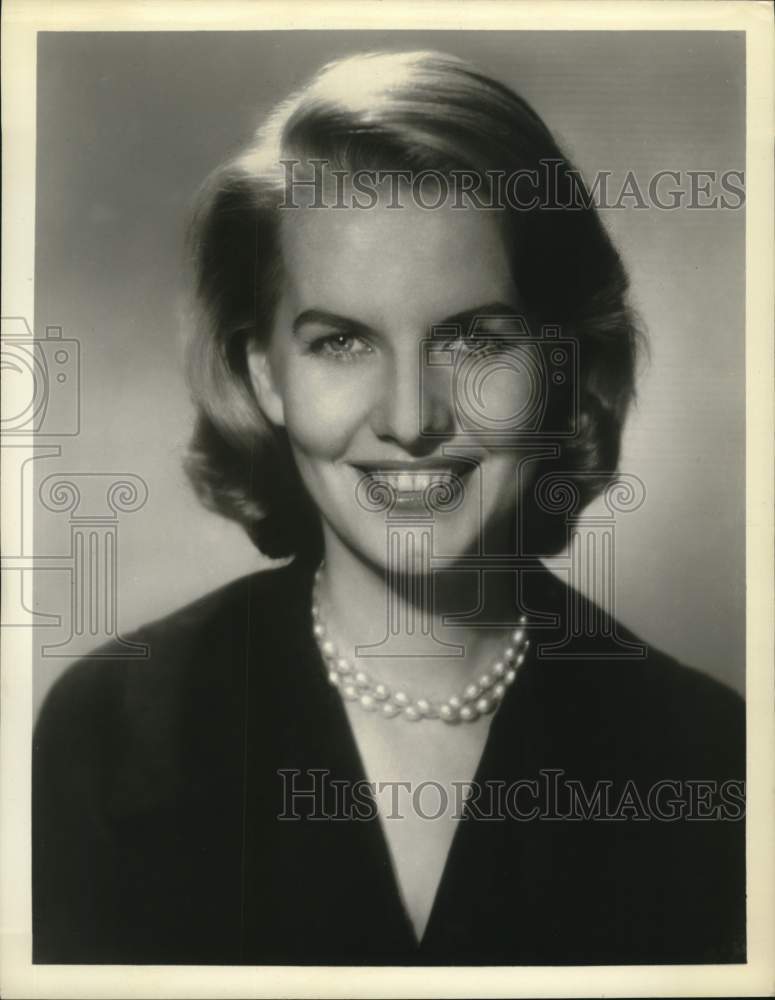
x,y
353,750
352,753
334,725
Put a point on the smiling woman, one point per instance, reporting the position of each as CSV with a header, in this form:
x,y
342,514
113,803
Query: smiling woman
x,y
395,388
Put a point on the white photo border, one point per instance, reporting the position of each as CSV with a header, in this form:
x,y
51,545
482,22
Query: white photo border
x,y
22,19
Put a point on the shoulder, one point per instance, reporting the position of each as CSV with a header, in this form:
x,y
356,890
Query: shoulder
x,y
621,694
680,713
188,667
596,642
168,640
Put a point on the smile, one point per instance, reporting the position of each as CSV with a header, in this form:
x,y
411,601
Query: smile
x,y
413,482
412,486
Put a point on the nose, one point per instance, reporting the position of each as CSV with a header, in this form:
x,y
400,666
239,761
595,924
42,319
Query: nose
x,y
414,408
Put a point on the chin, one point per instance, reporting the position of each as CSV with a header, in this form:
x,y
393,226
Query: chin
x,y
409,539
412,548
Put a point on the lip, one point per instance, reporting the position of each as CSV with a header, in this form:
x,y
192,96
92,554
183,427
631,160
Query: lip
x,y
414,478
438,466
410,481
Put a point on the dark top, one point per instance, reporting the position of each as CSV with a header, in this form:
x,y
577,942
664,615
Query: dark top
x,y
157,790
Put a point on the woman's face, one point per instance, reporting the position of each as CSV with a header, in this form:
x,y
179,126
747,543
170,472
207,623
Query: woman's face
x,y
365,401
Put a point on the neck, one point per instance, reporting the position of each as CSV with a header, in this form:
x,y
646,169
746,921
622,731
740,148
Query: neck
x,y
394,622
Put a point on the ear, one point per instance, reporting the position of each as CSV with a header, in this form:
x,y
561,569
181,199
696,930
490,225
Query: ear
x,y
264,383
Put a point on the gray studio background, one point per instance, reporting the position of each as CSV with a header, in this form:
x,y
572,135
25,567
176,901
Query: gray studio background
x,y
128,126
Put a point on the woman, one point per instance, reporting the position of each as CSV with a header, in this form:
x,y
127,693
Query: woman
x,y
411,336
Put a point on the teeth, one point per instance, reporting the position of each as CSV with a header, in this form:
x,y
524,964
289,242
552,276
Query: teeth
x,y
412,482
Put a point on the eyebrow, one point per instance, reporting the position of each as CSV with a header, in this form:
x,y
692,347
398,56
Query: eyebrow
x,y
465,319
330,319
461,319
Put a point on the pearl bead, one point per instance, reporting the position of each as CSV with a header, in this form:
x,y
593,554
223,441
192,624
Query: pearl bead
x,y
477,699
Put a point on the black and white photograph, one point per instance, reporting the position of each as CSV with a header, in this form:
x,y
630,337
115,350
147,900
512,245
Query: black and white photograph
x,y
383,407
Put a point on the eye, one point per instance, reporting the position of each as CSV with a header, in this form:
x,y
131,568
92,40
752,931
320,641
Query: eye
x,y
341,346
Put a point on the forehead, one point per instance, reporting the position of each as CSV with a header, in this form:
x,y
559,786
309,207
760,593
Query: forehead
x,y
404,260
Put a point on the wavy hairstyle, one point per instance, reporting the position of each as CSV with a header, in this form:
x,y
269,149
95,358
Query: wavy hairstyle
x,y
416,111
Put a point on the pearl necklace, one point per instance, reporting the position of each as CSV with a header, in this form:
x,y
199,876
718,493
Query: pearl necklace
x,y
478,698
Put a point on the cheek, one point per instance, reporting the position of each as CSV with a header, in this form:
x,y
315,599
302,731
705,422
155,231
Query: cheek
x,y
496,394
324,411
